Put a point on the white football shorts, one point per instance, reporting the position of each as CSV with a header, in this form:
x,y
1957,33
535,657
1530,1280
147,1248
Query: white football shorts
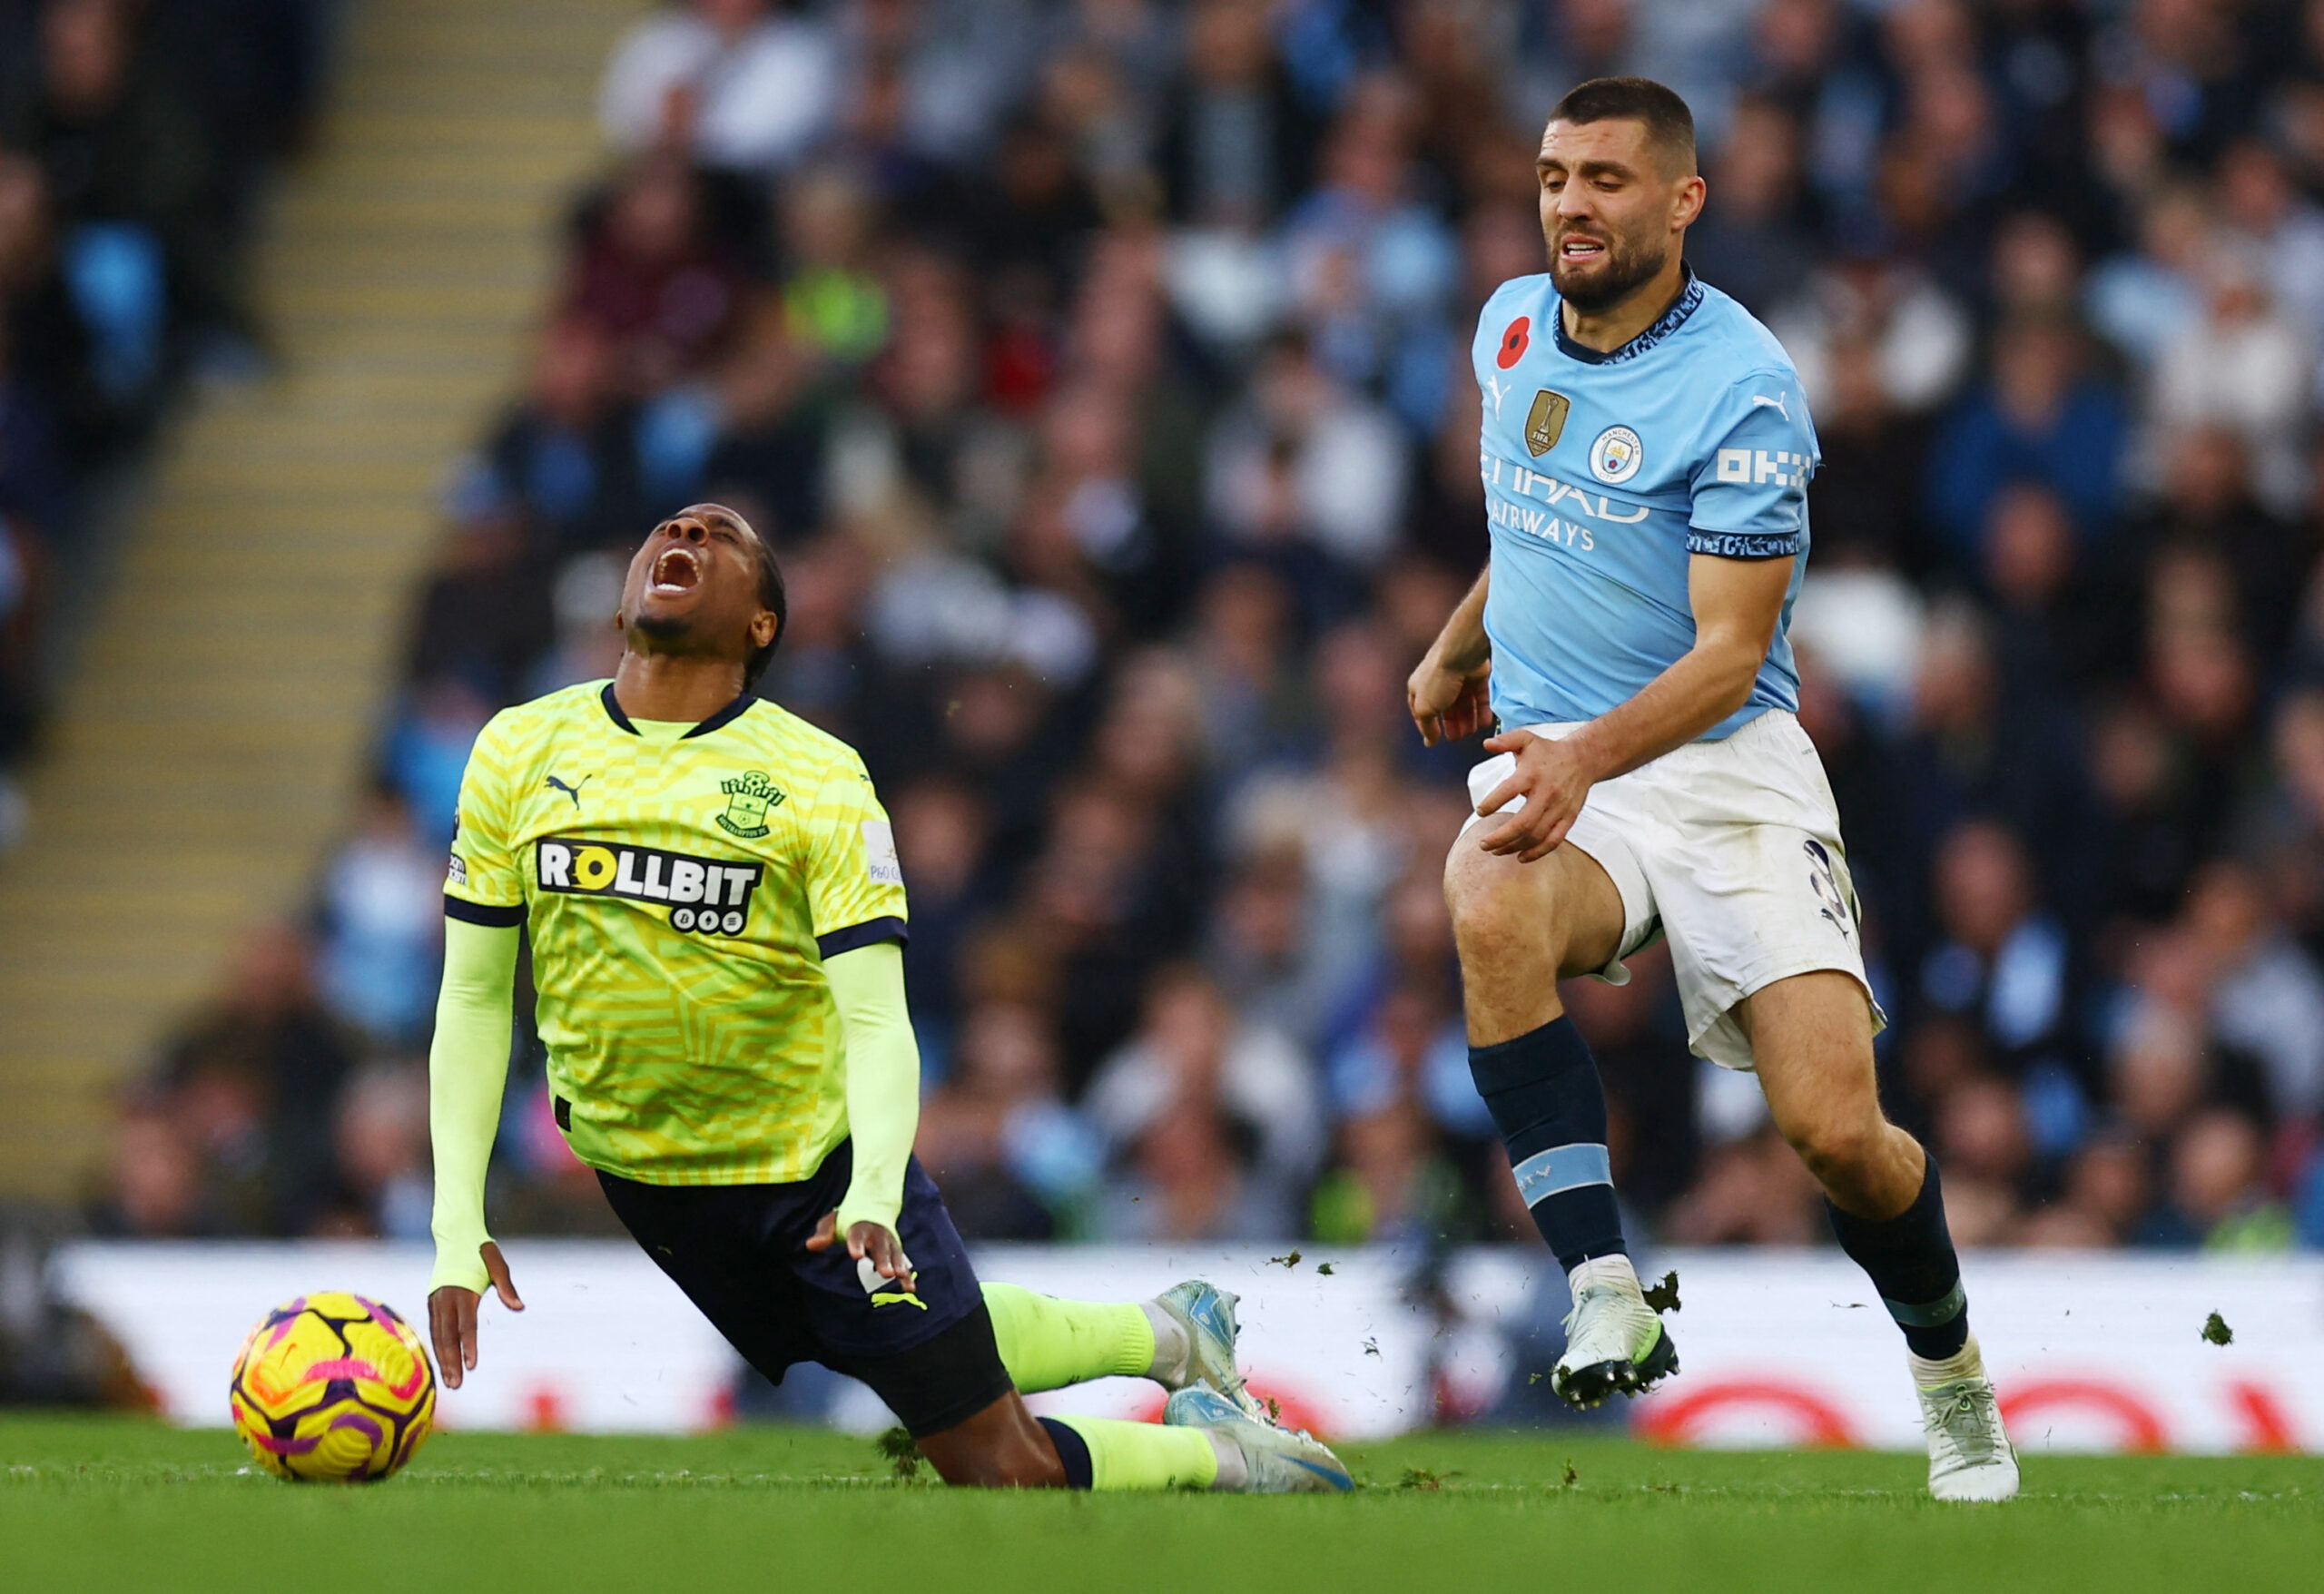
x,y
1730,850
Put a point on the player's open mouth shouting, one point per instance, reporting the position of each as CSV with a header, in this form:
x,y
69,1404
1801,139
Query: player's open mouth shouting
x,y
676,571
696,576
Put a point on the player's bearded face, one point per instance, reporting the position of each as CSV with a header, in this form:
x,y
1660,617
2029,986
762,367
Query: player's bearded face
x,y
1606,211
1595,264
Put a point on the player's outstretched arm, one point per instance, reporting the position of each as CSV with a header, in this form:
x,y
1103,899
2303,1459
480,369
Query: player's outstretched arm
x,y
1449,693
882,1105
1736,602
467,1067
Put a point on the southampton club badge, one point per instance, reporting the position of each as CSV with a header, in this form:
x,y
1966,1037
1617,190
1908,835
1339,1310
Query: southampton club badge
x,y
748,797
1617,454
1545,422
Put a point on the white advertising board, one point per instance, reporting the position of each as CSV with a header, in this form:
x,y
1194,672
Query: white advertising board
x,y
605,1343
2091,1352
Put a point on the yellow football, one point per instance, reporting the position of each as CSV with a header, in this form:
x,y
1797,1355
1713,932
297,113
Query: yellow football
x,y
333,1388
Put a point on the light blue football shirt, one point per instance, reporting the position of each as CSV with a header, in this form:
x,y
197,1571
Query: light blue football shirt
x,y
1603,473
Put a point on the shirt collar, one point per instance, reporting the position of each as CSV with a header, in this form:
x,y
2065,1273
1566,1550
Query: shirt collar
x,y
724,717
1690,295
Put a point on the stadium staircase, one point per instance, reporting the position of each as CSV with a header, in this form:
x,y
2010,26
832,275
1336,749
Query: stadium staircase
x,y
223,704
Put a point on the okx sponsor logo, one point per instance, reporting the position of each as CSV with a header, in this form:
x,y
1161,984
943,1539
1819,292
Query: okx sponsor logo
x,y
706,896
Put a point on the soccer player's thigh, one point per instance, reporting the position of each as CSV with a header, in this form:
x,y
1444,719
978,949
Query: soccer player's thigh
x,y
1522,927
929,1352
948,1388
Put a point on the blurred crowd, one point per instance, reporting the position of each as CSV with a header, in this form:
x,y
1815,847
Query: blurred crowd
x,y
136,140
1100,370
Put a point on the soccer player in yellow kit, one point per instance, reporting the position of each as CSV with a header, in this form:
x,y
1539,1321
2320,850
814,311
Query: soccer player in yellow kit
x,y
717,920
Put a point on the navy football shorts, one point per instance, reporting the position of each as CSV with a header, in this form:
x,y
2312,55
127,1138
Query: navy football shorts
x,y
739,1253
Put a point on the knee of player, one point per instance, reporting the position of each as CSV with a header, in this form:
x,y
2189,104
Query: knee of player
x,y
1835,1147
1504,932
1482,904
1457,888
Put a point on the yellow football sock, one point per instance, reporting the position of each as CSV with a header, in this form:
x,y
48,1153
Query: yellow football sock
x,y
1048,1344
1144,1455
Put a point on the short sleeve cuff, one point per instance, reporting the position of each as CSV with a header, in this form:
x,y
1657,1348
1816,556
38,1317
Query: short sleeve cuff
x,y
1743,544
494,915
871,933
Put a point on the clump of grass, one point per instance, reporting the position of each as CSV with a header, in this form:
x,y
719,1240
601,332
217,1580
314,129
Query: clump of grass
x,y
901,1452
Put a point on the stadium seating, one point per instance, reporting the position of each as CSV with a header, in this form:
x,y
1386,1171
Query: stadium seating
x,y
218,715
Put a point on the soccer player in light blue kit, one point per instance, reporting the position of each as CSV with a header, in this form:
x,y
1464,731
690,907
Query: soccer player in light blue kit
x,y
1646,454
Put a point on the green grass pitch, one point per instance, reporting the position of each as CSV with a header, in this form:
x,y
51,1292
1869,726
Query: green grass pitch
x,y
117,1504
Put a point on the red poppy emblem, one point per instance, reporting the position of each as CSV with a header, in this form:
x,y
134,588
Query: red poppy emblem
x,y
1514,341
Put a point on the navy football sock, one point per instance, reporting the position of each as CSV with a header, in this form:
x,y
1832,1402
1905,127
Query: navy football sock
x,y
1546,1100
1072,1453
1912,1263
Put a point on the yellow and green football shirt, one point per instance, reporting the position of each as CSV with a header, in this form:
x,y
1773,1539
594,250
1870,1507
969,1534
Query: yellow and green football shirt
x,y
682,885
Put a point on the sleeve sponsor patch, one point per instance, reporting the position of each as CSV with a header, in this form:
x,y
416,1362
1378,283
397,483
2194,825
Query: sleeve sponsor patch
x,y
879,861
456,873
1782,467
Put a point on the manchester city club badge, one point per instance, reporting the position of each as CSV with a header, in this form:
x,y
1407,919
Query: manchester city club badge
x,y
1617,454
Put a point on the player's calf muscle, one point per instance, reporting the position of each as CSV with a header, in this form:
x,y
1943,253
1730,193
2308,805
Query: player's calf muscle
x,y
1001,1447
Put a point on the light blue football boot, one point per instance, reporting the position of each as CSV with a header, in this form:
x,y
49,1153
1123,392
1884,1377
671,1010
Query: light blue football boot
x,y
1276,1460
1206,1314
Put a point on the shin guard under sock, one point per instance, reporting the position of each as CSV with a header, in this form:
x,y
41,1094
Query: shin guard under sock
x,y
1911,1262
1546,1100
1048,1344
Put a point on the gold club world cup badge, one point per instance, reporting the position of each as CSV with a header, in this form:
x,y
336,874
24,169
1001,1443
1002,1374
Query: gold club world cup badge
x,y
748,795
1545,422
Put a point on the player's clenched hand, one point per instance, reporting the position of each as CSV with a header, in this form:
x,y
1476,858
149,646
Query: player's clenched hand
x,y
1553,778
451,1316
1449,705
867,1239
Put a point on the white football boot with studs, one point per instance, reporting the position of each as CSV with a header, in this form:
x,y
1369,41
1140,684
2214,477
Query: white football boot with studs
x,y
1969,1454
1615,1343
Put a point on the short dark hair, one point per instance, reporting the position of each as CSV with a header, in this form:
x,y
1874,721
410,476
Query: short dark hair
x,y
1669,125
772,596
